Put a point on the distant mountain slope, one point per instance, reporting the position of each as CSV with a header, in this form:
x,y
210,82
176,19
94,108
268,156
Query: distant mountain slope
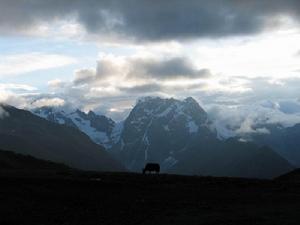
x,y
26,133
293,176
284,140
10,160
231,158
101,129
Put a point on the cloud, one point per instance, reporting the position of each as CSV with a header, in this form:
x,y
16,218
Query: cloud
x,y
84,76
17,87
248,127
30,62
14,99
142,89
55,102
145,68
243,113
16,94
170,68
250,118
108,67
149,20
56,84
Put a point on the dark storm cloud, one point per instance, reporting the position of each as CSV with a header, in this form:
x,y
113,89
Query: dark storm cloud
x,y
142,89
151,20
141,68
84,76
171,68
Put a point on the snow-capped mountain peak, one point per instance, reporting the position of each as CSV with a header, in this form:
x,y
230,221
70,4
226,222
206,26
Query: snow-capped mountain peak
x,y
156,129
99,128
170,110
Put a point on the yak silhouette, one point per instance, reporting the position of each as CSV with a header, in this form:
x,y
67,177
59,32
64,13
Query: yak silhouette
x,y
151,167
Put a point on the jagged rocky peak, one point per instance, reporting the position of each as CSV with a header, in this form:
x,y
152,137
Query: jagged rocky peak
x,y
92,114
53,114
168,110
100,122
192,107
44,111
188,105
99,128
158,129
81,114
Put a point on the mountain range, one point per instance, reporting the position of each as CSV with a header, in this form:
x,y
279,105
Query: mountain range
x,y
178,135
284,140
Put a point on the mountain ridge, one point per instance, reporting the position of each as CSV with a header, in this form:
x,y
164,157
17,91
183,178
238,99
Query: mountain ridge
x,y
26,133
101,129
10,160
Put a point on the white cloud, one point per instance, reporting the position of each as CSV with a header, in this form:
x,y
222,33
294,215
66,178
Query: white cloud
x,y
30,62
56,84
13,86
139,69
17,94
269,54
11,98
48,102
248,126
252,118
65,28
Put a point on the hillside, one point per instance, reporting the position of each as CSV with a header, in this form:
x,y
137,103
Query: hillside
x,y
12,161
231,158
293,176
128,198
284,140
25,133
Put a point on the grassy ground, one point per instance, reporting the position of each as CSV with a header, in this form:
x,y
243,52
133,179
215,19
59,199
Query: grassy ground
x,y
126,198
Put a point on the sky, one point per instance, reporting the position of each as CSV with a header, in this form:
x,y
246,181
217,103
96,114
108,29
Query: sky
x,y
239,59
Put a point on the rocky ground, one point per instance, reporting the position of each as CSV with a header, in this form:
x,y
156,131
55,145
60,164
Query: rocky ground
x,y
48,198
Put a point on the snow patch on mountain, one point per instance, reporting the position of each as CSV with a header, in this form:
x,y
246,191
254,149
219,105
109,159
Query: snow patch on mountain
x,y
193,128
86,127
169,162
166,127
117,131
